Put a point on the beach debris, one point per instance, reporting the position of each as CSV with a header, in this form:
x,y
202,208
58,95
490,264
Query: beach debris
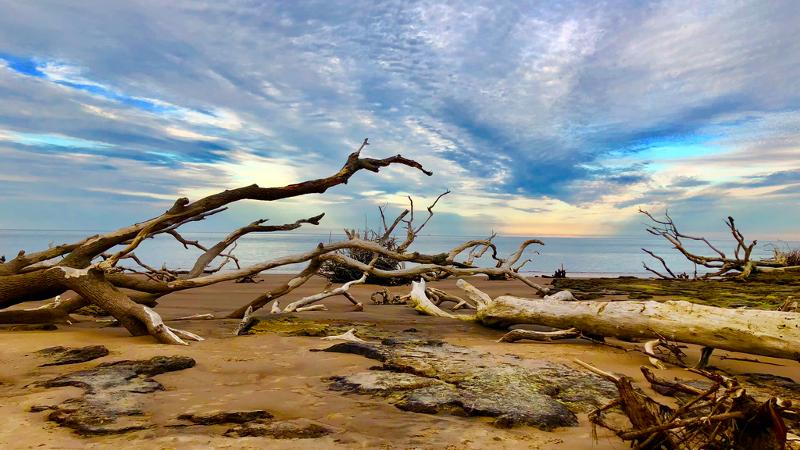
x,y
685,322
542,336
247,279
349,335
109,403
275,309
420,302
66,355
311,308
246,323
385,298
438,296
302,304
719,415
196,317
563,296
436,377
738,263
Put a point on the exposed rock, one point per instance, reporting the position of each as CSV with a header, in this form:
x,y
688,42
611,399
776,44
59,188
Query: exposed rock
x,y
288,429
436,377
109,403
66,355
294,326
219,417
768,380
381,382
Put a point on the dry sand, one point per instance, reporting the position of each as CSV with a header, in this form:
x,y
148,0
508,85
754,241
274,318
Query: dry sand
x,y
279,374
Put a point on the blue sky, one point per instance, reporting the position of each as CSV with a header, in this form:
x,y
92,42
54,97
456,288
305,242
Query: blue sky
x,y
543,118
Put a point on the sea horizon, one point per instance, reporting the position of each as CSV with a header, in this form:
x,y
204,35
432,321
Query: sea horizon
x,y
598,256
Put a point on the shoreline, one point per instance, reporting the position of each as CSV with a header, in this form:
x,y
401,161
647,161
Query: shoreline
x,y
279,374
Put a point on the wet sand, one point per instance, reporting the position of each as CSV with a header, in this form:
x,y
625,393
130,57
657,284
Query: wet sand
x,y
280,374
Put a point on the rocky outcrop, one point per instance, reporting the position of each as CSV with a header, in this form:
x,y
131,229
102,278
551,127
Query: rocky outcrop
x,y
436,377
65,355
110,403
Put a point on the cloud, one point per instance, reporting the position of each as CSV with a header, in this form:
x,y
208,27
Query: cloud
x,y
569,111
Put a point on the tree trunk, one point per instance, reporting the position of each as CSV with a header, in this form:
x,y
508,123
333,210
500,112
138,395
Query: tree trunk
x,y
767,333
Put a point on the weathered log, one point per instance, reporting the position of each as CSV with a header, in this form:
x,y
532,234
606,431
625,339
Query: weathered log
x,y
766,333
541,336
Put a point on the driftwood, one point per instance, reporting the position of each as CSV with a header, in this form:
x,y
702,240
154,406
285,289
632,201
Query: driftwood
x,y
721,416
311,308
349,335
246,323
739,263
93,267
341,290
766,333
542,336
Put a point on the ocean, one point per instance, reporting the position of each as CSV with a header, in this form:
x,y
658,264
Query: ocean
x,y
581,256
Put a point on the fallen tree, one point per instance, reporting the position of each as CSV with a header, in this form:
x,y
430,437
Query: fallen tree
x,y
92,268
739,263
759,332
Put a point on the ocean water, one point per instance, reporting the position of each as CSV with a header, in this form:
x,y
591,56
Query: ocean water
x,y
580,256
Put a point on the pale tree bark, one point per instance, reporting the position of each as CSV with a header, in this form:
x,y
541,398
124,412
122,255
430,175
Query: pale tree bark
x,y
738,263
91,267
42,275
758,332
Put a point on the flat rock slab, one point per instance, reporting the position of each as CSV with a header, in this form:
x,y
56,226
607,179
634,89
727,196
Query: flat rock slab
x,y
65,355
286,429
436,377
222,417
111,393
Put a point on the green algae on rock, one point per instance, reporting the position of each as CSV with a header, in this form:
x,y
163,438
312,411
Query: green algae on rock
x,y
109,402
65,355
762,291
294,326
437,377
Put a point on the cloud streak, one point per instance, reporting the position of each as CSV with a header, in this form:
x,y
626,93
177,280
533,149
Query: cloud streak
x,y
539,114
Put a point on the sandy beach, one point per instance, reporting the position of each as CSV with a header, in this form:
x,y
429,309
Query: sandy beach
x,y
279,374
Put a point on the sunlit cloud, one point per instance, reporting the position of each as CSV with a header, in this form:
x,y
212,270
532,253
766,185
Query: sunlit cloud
x,y
542,119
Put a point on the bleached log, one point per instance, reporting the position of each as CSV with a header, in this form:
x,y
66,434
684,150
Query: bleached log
x,y
349,336
341,290
766,333
196,317
649,350
275,309
541,336
245,323
565,296
420,301
479,297
311,308
443,296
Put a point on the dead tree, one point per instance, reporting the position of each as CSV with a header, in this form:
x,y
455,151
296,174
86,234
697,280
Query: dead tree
x,y
740,263
720,416
91,267
758,332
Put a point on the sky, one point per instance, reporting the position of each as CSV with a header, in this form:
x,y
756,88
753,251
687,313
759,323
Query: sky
x,y
542,118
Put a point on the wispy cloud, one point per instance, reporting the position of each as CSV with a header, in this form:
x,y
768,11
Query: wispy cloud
x,y
544,117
